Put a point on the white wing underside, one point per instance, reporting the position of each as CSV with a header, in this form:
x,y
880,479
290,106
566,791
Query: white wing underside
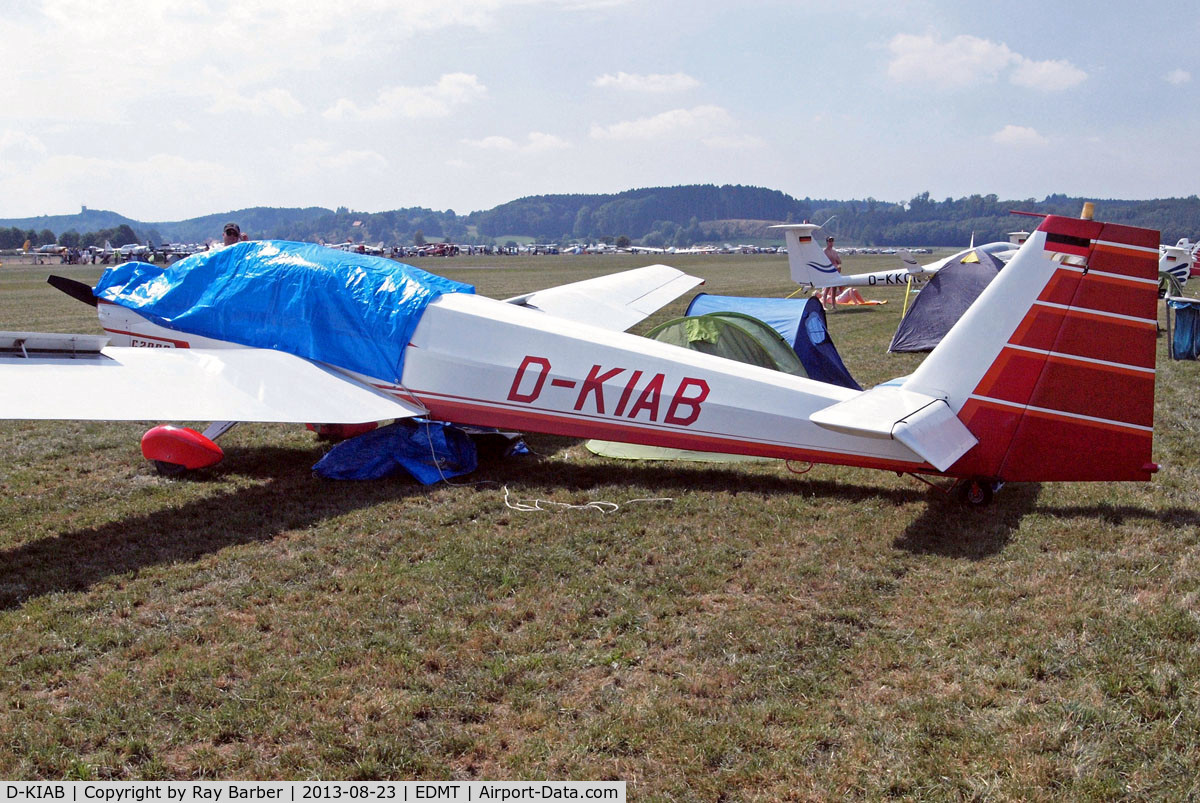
x,y
615,302
142,384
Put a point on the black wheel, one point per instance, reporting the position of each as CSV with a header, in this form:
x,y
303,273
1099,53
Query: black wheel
x,y
166,469
976,492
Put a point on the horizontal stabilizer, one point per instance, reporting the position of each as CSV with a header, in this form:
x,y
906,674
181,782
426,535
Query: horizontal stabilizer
x,y
144,384
925,424
615,302
910,262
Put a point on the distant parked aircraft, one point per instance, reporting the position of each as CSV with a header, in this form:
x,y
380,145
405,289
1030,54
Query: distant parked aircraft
x,y
809,266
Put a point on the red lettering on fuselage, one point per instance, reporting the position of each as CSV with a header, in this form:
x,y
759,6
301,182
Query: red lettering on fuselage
x,y
691,402
595,384
514,393
683,406
649,399
627,392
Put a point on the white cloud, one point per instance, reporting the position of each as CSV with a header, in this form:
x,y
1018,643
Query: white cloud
x,y
734,142
1049,76
493,143
18,142
269,101
1178,77
316,155
701,120
962,61
674,82
434,100
967,60
539,142
115,57
535,142
1019,136
64,181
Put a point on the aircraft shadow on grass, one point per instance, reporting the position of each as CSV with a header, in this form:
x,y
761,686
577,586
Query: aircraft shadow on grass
x,y
291,499
77,560
955,531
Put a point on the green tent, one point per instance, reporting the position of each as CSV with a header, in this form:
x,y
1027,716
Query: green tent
x,y
732,335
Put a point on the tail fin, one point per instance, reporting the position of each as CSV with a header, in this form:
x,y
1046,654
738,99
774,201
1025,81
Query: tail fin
x,y
806,259
1052,368
1176,261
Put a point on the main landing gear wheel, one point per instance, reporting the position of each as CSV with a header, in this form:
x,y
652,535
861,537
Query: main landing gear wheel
x,y
976,491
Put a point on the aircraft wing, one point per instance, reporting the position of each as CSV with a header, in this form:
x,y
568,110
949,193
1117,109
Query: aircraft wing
x,y
73,377
616,301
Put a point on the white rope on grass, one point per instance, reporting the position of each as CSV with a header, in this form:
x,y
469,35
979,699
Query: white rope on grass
x,y
603,507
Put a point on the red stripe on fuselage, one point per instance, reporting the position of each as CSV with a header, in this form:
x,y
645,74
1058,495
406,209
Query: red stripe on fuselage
x,y
180,344
483,413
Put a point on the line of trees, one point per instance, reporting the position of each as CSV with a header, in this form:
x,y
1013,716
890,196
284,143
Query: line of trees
x,y
656,216
14,237
952,222
668,215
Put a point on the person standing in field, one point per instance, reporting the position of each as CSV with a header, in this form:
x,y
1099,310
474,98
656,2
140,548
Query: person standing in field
x,y
828,295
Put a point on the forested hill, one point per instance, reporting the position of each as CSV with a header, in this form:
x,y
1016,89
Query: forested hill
x,y
636,213
656,216
666,216
924,221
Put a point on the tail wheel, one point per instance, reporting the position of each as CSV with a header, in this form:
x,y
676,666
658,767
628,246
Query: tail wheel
x,y
976,492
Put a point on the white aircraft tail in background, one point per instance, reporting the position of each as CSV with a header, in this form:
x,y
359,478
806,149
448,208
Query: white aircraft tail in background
x,y
809,266
1177,260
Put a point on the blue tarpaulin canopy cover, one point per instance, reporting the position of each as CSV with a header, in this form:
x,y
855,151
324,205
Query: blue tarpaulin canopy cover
x,y
354,311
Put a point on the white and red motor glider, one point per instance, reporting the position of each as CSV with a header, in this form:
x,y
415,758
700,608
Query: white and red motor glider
x,y
1049,376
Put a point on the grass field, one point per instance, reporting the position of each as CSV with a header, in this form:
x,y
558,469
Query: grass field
x,y
750,634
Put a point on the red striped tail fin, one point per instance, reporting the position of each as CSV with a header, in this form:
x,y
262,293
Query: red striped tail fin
x,y
1069,392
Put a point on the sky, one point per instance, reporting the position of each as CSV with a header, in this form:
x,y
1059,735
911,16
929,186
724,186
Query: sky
x,y
164,110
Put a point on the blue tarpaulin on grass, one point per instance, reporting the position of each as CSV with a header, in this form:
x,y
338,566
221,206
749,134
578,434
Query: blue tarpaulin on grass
x,y
351,310
429,450
1185,343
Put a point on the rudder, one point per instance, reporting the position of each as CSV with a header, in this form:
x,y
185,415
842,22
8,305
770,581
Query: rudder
x,y
807,262
1068,393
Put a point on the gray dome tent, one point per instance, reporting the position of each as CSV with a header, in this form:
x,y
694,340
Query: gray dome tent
x,y
943,301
